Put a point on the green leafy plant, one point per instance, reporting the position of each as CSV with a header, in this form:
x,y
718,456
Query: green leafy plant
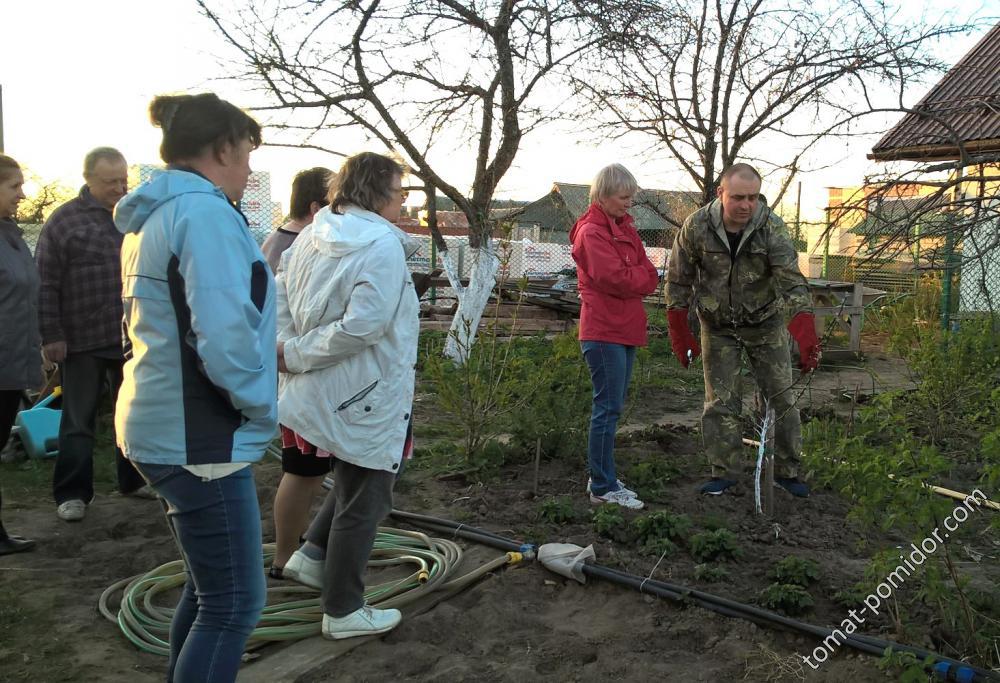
x,y
659,546
796,570
720,544
710,573
651,476
609,522
554,405
557,510
905,666
788,598
662,524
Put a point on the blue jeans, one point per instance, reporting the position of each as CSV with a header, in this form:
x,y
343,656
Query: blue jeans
x,y
610,371
217,526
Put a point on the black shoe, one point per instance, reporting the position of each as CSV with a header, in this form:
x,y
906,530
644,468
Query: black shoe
x,y
15,544
716,486
797,488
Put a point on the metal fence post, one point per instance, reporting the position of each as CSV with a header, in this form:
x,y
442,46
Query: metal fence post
x,y
949,246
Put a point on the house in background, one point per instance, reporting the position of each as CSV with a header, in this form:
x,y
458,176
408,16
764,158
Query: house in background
x,y
962,113
658,214
872,220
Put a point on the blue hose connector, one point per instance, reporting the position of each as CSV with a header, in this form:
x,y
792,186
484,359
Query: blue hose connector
x,y
962,674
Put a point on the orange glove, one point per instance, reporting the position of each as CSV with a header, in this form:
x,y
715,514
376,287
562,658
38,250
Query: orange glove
x,y
681,339
803,329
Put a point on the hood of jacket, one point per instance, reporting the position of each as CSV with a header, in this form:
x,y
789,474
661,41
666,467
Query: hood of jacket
x,y
340,234
596,215
134,209
758,219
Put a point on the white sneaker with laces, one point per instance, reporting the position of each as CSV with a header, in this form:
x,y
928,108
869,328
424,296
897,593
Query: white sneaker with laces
x,y
71,510
365,621
304,570
618,497
621,486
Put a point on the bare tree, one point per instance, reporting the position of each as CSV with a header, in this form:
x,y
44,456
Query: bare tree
x,y
427,79
50,194
712,82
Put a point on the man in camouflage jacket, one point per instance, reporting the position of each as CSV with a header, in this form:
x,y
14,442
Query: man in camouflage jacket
x,y
733,260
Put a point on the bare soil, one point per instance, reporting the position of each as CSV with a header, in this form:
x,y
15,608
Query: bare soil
x,y
523,623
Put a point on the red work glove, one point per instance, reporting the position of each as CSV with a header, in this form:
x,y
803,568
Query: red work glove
x,y
803,330
681,339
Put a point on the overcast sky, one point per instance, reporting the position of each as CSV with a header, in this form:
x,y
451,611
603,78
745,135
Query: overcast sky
x,y
76,75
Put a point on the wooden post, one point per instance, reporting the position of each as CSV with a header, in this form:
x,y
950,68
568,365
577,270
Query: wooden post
x,y
857,317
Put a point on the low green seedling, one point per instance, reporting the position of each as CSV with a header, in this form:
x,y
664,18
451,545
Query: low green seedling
x,y
557,510
720,544
609,522
662,524
659,546
709,573
798,571
905,666
786,597
651,477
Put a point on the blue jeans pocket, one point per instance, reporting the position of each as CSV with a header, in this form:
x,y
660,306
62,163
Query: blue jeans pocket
x,y
155,474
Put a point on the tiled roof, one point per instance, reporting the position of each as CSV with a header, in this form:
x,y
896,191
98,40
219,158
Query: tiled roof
x,y
652,209
966,99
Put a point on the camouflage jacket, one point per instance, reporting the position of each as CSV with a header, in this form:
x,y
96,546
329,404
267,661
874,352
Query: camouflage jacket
x,y
762,280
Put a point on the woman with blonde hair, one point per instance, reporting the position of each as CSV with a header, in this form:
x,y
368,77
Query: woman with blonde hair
x,y
347,348
613,274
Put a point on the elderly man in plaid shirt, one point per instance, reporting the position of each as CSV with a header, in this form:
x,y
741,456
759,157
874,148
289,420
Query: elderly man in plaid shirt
x,y
80,316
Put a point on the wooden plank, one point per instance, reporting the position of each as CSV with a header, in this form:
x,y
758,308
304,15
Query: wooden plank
x,y
290,662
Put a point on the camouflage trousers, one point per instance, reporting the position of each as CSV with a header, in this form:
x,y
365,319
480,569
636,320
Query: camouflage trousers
x,y
767,350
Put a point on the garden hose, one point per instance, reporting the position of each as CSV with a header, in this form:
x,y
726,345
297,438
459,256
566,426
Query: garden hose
x,y
435,561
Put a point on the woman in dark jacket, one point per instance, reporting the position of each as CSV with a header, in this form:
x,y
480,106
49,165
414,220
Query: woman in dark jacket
x,y
20,343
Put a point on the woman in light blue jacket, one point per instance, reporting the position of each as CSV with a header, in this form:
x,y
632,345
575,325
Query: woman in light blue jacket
x,y
197,405
347,340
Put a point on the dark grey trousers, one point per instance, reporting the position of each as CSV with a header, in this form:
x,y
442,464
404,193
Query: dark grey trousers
x,y
345,527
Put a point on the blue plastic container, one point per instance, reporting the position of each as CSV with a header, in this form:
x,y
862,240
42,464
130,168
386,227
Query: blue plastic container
x,y
38,427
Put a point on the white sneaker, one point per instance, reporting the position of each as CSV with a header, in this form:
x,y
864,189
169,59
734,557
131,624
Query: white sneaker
x,y
304,570
146,492
618,498
365,621
71,510
621,486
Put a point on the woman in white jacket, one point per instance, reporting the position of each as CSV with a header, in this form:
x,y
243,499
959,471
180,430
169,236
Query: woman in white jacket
x,y
347,345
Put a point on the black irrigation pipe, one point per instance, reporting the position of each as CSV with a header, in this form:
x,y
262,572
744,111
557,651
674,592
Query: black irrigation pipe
x,y
944,667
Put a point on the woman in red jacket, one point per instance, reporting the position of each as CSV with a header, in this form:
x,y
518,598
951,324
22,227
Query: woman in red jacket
x,y
614,274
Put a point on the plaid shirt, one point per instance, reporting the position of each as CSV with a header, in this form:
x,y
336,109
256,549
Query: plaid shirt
x,y
78,256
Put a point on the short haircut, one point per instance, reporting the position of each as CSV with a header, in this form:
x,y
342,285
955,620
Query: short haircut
x,y
97,154
365,180
7,167
309,186
193,123
612,180
744,170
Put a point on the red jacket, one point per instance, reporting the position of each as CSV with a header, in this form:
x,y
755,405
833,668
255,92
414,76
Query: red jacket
x,y
613,275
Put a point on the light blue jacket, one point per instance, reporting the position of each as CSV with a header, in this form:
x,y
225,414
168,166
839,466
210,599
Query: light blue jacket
x,y
200,382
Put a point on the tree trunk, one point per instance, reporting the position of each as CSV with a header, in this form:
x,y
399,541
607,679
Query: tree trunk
x,y
472,299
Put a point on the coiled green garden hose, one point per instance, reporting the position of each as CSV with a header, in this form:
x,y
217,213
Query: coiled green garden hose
x,y
146,624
